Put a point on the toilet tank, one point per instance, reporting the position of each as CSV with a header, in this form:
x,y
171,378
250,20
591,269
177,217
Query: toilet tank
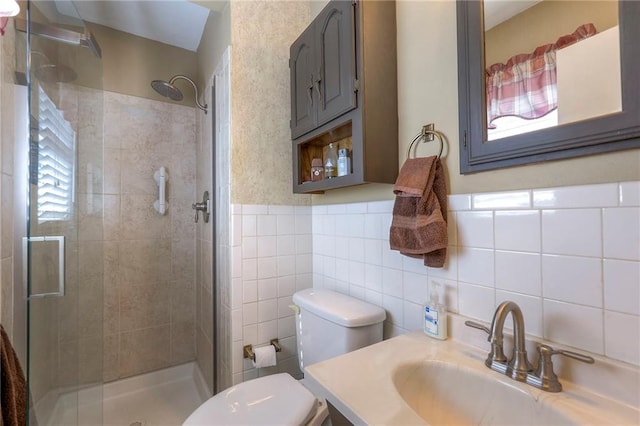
x,y
331,324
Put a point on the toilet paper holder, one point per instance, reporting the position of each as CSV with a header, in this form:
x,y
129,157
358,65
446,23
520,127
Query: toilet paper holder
x,y
247,350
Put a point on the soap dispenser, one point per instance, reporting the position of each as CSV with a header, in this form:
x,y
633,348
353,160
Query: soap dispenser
x,y
435,314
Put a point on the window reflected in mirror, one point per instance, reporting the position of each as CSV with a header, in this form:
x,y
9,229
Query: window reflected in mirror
x,y
548,63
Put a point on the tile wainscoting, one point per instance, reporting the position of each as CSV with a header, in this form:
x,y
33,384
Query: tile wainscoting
x,y
568,256
271,259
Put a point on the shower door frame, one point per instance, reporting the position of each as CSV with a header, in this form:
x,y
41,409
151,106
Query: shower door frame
x,y
214,244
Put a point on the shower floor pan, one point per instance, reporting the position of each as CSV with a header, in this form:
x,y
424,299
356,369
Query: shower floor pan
x,y
161,398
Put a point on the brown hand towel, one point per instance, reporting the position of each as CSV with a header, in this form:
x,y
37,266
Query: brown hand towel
x,y
419,223
13,390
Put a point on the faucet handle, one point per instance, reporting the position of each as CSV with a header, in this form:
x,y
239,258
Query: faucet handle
x,y
547,351
496,355
549,380
479,326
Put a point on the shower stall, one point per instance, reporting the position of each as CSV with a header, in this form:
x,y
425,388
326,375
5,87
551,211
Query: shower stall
x,y
107,291
61,246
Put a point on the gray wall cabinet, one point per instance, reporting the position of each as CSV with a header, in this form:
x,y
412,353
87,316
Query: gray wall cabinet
x,y
344,91
301,64
323,69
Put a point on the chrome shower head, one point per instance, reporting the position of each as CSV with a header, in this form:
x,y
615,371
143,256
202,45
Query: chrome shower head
x,y
169,90
52,73
48,72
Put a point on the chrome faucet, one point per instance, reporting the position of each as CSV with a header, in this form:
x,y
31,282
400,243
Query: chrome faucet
x,y
518,367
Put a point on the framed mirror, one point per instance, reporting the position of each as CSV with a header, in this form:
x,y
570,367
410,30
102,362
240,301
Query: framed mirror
x,y
578,118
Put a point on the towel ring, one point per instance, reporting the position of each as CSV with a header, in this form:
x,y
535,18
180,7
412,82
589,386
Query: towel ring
x,y
422,134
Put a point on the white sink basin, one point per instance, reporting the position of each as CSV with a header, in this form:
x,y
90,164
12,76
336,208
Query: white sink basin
x,y
414,380
442,393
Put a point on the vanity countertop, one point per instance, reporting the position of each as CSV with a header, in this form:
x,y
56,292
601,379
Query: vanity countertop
x,y
360,384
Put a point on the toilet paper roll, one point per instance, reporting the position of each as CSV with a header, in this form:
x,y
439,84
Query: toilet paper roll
x,y
265,356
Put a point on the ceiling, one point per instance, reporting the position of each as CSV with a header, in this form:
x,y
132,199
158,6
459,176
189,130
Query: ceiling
x,y
497,11
181,23
178,23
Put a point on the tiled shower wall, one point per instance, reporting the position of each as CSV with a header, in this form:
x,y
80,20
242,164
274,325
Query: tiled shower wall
x,y
271,260
149,259
570,257
205,322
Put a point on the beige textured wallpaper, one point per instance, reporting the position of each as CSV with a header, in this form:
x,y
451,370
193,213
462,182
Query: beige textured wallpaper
x,y
261,34
428,93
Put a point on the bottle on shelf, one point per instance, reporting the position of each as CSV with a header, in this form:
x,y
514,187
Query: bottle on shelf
x,y
344,162
331,162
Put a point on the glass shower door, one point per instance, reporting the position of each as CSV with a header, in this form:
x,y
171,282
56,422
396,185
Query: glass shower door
x,y
64,244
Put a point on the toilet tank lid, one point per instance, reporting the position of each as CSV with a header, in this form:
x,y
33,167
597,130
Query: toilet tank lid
x,y
339,308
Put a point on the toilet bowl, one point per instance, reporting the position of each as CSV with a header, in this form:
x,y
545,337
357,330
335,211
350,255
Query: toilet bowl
x,y
327,324
278,399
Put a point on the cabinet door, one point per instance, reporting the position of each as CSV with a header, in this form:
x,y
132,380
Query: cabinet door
x,y
302,102
335,60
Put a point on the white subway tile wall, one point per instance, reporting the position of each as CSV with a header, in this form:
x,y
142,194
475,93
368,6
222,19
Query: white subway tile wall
x,y
629,194
271,260
517,230
572,232
621,233
570,257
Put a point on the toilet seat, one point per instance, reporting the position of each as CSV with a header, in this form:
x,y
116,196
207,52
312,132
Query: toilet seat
x,y
277,399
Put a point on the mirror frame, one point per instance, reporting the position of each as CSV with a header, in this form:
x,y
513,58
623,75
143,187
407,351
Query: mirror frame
x,y
607,133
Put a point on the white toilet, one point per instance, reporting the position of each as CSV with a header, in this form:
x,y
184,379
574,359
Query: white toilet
x,y
328,324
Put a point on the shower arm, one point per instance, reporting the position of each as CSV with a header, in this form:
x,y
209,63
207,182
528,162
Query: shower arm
x,y
195,88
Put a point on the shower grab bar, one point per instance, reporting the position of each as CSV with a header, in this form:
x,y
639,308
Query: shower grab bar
x,y
50,32
161,177
61,264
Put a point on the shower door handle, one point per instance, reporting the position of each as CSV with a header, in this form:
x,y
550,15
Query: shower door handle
x,y
61,264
